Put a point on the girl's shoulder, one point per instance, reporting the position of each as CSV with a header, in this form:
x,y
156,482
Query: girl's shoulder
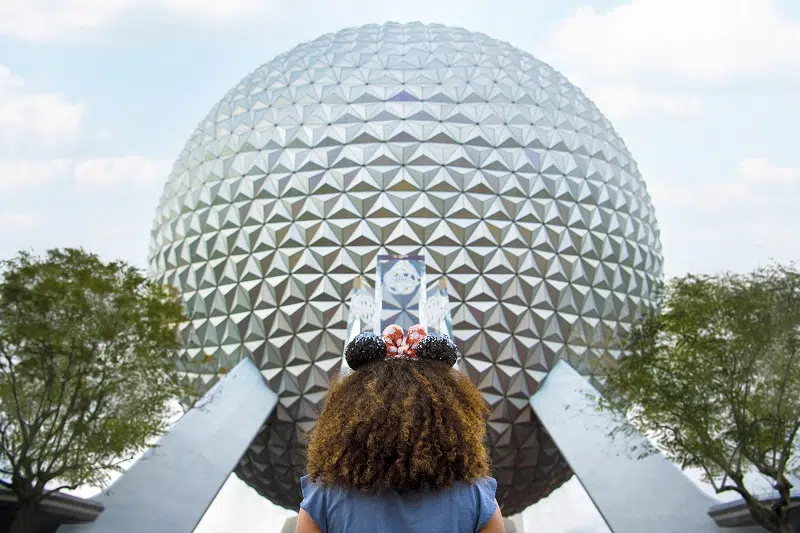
x,y
486,487
487,494
483,489
476,500
484,493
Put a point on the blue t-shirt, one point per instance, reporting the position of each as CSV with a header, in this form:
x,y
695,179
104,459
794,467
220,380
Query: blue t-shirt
x,y
462,508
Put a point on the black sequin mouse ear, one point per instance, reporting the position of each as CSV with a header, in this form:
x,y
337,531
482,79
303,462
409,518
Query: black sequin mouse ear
x,y
365,348
438,347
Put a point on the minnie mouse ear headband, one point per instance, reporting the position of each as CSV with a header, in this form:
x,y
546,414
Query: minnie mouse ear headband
x,y
368,347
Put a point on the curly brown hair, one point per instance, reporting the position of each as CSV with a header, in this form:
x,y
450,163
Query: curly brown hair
x,y
402,425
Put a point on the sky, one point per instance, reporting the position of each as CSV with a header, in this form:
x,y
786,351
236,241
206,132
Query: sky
x,y
97,98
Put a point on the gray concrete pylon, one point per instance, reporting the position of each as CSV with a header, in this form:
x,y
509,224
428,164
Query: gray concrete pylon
x,y
633,495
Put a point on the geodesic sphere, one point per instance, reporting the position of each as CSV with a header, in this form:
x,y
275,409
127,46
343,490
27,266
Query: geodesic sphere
x,y
406,139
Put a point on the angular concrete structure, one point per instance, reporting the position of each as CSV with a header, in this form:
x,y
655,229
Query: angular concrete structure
x,y
633,495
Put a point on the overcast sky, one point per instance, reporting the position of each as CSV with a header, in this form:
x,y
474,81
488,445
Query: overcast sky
x,y
98,96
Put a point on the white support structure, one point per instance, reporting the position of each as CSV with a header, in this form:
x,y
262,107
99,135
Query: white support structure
x,y
633,495
290,525
513,524
170,488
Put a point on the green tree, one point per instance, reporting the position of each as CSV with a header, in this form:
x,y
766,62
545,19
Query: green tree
x,y
713,378
86,381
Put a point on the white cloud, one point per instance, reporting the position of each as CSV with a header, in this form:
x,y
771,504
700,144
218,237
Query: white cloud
x,y
54,20
756,169
48,20
215,11
19,221
624,100
701,197
35,120
756,181
41,20
23,174
695,39
126,170
742,221
630,59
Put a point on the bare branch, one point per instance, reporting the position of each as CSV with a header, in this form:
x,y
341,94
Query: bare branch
x,y
58,452
782,484
780,404
73,486
97,467
53,451
57,430
42,417
15,394
7,451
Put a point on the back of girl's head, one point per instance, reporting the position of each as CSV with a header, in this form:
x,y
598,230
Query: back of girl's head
x,y
402,424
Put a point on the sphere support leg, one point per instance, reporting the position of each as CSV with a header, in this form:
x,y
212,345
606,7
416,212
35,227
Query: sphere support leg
x,y
632,495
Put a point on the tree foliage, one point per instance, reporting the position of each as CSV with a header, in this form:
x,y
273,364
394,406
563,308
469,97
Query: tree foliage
x,y
714,379
86,380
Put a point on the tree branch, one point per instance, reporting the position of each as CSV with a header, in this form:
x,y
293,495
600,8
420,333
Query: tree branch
x,y
46,356
58,434
59,404
9,453
73,486
780,404
20,417
42,417
58,451
113,465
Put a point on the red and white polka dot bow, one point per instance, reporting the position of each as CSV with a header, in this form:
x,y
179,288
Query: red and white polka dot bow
x,y
398,345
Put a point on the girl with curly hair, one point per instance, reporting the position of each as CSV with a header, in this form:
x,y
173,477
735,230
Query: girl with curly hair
x,y
399,445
